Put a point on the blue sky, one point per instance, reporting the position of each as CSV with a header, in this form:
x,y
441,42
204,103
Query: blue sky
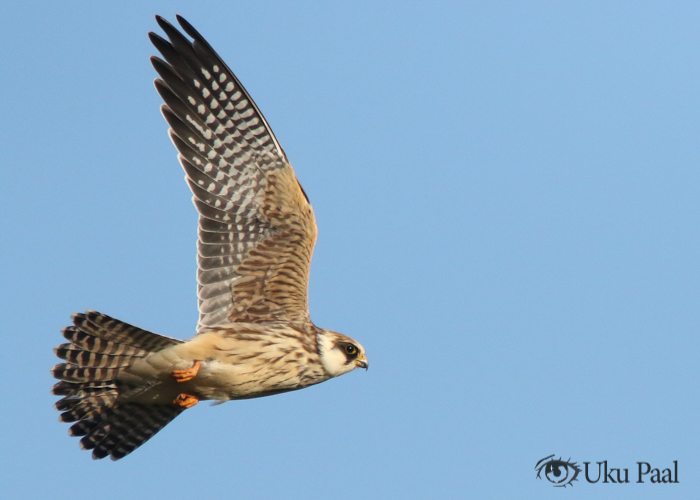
x,y
507,201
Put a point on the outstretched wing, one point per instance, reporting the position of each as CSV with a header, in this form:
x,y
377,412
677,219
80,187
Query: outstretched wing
x,y
256,226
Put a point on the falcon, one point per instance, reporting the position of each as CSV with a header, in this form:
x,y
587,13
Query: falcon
x,y
121,384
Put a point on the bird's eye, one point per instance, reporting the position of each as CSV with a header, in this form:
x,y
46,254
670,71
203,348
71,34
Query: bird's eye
x,y
350,349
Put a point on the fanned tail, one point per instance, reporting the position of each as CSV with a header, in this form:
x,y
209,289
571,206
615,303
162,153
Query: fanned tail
x,y
99,348
119,429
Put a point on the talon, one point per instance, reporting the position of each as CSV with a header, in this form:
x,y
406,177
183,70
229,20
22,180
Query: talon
x,y
187,374
186,400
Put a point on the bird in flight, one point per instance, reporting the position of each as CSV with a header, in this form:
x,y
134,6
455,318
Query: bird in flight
x,y
121,384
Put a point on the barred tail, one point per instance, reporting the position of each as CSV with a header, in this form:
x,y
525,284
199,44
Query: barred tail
x,y
99,348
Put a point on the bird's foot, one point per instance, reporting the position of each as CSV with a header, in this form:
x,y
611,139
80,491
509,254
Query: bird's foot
x,y
187,374
186,401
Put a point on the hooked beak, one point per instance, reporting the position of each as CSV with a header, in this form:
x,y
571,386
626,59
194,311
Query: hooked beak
x,y
362,362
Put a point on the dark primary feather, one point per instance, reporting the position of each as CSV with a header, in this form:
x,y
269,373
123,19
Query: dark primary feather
x,y
201,56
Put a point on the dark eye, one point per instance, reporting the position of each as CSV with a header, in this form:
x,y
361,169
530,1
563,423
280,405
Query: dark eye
x,y
351,349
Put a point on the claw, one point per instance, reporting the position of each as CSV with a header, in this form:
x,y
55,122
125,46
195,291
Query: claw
x,y
187,374
186,400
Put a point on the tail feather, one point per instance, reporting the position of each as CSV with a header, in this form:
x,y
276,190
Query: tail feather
x,y
128,427
92,343
72,373
77,356
64,388
99,348
111,329
70,402
88,407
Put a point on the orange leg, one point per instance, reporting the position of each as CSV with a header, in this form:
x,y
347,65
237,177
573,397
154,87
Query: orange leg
x,y
186,400
188,374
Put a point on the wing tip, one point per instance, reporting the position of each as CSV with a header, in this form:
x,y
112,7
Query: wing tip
x,y
163,23
189,29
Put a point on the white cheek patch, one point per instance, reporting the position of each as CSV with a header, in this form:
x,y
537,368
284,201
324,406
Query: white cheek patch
x,y
333,359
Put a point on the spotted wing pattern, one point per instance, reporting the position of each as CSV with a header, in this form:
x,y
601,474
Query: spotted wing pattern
x,y
256,227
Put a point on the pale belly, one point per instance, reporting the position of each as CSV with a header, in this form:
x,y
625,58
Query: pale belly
x,y
232,376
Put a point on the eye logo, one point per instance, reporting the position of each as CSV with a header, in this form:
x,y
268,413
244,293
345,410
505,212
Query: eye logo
x,y
559,472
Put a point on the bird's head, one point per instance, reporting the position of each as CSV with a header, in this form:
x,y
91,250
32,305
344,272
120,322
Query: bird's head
x,y
340,354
